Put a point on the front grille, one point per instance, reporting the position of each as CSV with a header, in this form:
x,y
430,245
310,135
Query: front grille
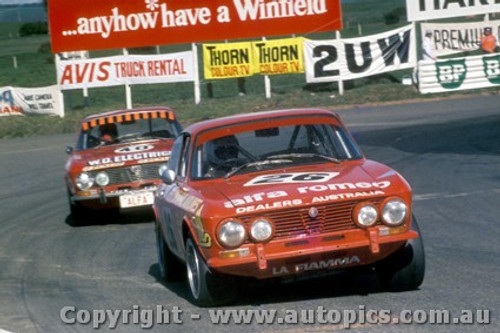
x,y
295,222
131,173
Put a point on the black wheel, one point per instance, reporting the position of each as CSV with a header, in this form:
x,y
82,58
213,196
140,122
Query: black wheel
x,y
171,269
78,213
207,288
404,269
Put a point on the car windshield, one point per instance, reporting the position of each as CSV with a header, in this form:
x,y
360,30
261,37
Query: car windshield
x,y
127,131
274,147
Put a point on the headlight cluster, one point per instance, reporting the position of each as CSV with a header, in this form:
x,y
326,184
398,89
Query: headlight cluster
x,y
102,179
85,181
393,213
232,233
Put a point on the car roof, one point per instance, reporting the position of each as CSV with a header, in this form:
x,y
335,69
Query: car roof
x,y
126,111
256,116
119,115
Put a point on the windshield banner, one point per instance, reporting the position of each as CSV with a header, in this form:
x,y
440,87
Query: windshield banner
x,y
23,101
354,58
459,74
121,70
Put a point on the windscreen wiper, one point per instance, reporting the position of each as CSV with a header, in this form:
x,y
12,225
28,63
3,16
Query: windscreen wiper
x,y
306,155
267,161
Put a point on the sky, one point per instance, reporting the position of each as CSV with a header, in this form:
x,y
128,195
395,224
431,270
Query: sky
x,y
20,2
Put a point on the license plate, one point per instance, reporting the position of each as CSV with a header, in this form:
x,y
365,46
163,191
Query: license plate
x,y
136,199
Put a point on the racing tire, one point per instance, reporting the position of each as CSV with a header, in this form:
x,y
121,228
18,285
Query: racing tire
x,y
171,269
79,214
207,288
405,269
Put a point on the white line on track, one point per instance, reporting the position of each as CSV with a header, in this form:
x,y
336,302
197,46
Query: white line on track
x,y
433,196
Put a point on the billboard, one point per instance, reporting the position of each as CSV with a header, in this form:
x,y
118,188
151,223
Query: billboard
x,y
456,74
97,24
422,10
129,69
354,58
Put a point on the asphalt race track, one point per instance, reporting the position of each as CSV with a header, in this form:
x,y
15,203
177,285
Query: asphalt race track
x,y
449,151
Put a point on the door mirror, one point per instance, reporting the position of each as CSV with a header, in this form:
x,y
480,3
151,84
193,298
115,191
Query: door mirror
x,y
168,176
69,150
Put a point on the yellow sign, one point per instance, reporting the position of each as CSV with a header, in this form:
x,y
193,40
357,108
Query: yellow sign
x,y
230,60
279,56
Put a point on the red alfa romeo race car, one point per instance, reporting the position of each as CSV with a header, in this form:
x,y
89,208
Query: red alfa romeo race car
x,y
119,158
278,194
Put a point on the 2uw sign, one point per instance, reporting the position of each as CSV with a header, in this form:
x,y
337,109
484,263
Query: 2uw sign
x,y
359,57
97,24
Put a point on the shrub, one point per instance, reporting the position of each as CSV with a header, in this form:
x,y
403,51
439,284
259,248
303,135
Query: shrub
x,y
33,28
394,15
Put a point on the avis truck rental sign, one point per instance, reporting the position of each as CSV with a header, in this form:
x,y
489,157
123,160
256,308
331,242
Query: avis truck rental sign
x,y
96,24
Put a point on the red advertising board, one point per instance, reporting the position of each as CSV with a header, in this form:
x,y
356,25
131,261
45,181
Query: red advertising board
x,y
98,24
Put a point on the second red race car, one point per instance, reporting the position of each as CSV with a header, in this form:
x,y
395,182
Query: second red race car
x,y
118,159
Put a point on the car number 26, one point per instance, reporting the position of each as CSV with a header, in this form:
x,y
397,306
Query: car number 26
x,y
295,177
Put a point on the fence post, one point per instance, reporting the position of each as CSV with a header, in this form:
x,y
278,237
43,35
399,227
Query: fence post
x,y
267,81
197,92
14,59
128,90
340,83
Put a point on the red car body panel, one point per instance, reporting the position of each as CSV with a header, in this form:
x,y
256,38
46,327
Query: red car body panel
x,y
303,241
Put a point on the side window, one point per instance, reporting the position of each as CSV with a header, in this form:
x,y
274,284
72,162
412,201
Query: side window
x,y
184,158
173,163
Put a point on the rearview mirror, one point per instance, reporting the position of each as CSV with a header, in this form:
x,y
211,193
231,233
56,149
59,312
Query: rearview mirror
x,y
168,176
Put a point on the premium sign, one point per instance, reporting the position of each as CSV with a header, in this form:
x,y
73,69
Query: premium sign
x,y
130,69
459,74
421,10
96,24
22,101
354,58
452,38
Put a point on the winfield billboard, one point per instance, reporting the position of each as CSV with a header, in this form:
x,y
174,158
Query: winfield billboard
x,y
106,24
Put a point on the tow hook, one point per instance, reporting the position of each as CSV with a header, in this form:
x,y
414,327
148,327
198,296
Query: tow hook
x,y
102,196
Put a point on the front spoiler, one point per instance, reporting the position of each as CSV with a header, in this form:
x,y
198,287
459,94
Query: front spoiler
x,y
321,252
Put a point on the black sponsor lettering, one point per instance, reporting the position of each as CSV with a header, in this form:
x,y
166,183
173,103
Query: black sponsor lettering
x,y
228,57
351,57
330,58
396,46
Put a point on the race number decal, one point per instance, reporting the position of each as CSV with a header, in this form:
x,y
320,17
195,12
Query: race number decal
x,y
290,178
134,149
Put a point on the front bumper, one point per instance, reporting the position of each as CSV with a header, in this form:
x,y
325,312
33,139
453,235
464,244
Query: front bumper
x,y
337,250
102,199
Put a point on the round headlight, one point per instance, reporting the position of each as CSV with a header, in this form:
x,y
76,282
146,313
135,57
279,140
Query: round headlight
x,y
366,215
162,169
394,212
102,179
261,230
84,181
232,234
